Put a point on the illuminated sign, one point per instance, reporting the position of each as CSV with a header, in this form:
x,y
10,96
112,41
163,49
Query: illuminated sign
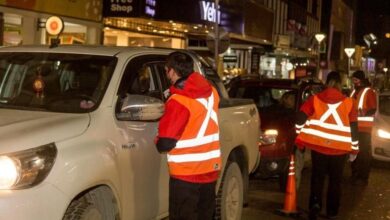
x,y
150,7
120,8
208,11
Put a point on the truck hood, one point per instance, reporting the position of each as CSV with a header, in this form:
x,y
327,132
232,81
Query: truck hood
x,y
20,130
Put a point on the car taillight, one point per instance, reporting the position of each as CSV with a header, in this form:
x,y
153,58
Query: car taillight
x,y
268,137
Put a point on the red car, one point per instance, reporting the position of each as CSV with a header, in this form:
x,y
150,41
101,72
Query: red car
x,y
278,100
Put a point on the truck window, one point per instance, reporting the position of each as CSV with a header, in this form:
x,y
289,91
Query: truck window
x,y
142,77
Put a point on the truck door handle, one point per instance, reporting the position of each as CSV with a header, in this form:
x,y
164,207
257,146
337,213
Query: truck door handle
x,y
129,145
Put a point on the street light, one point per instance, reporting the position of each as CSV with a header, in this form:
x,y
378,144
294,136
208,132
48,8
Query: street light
x,y
349,52
319,37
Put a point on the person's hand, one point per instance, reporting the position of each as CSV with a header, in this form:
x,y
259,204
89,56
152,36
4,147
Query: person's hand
x,y
352,157
86,104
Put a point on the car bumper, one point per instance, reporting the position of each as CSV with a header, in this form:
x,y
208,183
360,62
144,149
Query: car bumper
x,y
44,202
381,149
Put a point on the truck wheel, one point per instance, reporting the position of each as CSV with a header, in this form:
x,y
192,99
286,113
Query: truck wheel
x,y
230,194
97,204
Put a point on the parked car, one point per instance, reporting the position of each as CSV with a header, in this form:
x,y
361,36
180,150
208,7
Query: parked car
x,y
77,130
380,138
278,101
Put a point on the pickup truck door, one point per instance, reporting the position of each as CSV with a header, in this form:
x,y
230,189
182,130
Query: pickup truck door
x,y
144,171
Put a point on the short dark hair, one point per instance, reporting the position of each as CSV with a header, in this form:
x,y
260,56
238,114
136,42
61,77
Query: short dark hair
x,y
358,74
181,62
334,80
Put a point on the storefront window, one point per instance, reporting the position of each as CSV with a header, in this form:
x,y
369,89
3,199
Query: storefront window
x,y
73,34
12,30
267,67
115,37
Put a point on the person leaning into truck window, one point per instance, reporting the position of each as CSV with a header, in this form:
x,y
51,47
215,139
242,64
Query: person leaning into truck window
x,y
327,124
188,132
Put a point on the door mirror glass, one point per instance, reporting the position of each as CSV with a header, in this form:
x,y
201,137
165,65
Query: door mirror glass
x,y
140,108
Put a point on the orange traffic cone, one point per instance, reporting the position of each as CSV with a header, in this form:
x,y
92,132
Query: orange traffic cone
x,y
290,200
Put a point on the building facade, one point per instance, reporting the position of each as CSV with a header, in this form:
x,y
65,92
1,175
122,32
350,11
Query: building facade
x,y
23,22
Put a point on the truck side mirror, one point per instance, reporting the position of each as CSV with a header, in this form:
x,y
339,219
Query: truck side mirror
x,y
140,108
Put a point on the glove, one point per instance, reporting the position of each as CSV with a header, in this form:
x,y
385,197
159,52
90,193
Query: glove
x,y
352,157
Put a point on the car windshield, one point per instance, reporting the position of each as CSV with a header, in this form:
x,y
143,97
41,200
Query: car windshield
x,y
384,104
72,83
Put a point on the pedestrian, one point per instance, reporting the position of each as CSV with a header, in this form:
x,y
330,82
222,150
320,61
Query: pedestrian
x,y
188,132
365,99
327,124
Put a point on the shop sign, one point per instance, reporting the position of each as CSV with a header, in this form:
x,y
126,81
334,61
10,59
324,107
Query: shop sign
x,y
120,8
208,12
300,72
201,12
150,8
230,59
283,41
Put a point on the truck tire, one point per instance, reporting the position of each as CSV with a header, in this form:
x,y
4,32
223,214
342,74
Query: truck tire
x,y
230,194
97,204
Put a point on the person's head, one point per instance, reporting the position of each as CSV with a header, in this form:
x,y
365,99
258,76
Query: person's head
x,y
288,99
333,80
178,65
358,78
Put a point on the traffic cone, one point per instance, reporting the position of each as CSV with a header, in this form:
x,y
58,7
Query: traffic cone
x,y
290,199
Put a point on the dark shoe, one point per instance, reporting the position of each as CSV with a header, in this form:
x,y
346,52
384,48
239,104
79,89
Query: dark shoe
x,y
314,211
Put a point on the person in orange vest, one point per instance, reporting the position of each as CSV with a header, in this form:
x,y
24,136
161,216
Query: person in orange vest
x,y
365,99
189,133
327,124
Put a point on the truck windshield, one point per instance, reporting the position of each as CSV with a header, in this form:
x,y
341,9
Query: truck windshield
x,y
58,82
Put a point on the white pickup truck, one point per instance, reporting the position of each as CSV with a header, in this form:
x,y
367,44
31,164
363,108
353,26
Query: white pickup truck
x,y
77,129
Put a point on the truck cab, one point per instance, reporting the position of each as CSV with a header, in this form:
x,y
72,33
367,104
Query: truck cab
x,y
77,129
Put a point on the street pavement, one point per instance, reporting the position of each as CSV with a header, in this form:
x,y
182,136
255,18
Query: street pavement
x,y
371,202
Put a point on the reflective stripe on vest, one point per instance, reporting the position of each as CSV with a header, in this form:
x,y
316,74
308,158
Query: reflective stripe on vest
x,y
329,126
197,151
365,123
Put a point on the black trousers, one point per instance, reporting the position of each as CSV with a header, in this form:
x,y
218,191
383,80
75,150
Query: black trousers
x,y
191,201
362,165
322,166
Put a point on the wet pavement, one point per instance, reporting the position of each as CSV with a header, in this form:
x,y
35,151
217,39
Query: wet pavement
x,y
369,202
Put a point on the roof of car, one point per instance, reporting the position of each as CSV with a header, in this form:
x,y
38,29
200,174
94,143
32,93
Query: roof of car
x,y
80,49
254,79
385,93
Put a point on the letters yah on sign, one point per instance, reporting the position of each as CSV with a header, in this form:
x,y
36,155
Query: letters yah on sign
x,y
208,12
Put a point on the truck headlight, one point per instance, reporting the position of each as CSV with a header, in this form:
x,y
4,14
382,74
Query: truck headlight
x,y
26,168
268,137
383,134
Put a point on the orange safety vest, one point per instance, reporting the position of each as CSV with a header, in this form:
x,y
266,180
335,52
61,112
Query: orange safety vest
x,y
365,123
329,126
198,149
